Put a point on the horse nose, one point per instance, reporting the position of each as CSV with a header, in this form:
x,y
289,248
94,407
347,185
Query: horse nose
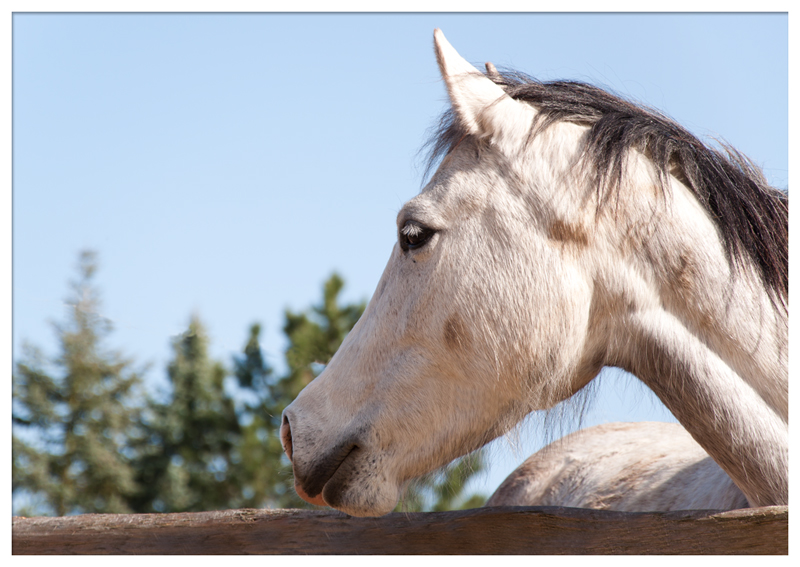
x,y
286,442
286,437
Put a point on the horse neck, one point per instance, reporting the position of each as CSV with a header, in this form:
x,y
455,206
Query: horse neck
x,y
727,417
706,338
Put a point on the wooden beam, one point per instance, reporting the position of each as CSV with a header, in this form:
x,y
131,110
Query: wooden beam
x,y
500,530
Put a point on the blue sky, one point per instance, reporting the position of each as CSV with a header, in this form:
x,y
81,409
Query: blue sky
x,y
225,165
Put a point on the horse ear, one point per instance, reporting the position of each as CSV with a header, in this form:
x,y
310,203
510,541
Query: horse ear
x,y
482,107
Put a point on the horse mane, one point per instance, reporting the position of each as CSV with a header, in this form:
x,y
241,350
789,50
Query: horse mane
x,y
752,217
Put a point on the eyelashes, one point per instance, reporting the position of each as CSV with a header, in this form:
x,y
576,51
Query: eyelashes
x,y
414,235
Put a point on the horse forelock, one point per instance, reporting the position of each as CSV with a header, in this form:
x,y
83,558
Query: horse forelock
x,y
751,216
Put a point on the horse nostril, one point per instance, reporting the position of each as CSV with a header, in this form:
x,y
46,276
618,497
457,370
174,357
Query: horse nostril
x,y
286,438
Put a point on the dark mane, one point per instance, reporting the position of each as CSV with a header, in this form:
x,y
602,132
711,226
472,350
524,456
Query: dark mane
x,y
752,216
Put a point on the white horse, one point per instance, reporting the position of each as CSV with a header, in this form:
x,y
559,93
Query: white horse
x,y
628,467
565,230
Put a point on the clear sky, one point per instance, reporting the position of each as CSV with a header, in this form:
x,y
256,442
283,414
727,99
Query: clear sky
x,y
225,165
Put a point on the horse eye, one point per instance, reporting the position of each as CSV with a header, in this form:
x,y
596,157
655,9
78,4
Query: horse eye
x,y
414,235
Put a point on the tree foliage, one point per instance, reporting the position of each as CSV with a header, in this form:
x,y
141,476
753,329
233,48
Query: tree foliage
x,y
76,415
88,438
188,462
266,473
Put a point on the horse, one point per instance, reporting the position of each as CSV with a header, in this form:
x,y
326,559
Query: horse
x,y
626,467
565,230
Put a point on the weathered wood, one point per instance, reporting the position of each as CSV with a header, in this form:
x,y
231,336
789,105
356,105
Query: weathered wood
x,y
500,530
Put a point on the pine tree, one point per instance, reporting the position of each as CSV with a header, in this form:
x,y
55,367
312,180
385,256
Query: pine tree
x,y
84,442
314,337
72,428
190,465
263,467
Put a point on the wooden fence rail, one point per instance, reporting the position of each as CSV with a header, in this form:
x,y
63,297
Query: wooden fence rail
x,y
501,530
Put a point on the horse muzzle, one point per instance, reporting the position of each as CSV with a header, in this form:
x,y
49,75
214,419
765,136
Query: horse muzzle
x,y
340,468
314,466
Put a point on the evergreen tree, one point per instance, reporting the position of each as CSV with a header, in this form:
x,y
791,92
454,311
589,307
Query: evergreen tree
x,y
263,467
249,466
187,463
72,429
314,337
81,444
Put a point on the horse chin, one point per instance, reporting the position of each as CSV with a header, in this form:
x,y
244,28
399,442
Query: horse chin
x,y
362,499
